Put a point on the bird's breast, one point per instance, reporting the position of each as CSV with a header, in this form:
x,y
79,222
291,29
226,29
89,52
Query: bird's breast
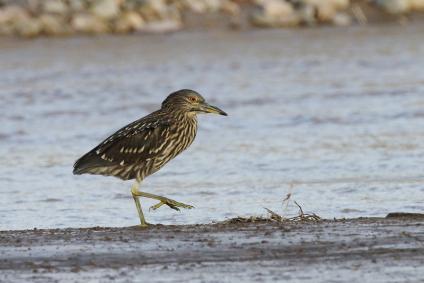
x,y
180,136
175,139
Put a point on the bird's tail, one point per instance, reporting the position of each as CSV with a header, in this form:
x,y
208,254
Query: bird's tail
x,y
88,163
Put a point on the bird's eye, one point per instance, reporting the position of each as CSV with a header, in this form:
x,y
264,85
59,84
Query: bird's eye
x,y
192,99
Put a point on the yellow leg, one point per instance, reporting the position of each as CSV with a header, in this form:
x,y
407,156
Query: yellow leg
x,y
135,187
163,200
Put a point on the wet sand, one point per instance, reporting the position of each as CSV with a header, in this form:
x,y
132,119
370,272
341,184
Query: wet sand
x,y
354,250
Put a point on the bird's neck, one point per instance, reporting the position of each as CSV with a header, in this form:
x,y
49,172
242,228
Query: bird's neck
x,y
185,116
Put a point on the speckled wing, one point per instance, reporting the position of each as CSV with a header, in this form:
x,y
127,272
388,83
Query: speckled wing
x,y
130,146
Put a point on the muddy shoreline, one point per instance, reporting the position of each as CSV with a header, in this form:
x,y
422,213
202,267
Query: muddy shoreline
x,y
384,249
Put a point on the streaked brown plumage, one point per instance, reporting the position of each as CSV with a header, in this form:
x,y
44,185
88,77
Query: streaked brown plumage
x,y
144,146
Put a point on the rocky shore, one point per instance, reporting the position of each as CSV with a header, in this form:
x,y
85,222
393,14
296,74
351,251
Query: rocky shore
x,y
350,250
33,18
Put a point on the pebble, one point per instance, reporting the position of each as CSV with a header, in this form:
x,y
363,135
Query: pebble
x,y
416,5
203,6
162,26
28,27
105,9
153,10
54,7
275,13
9,14
340,4
77,5
128,22
87,23
52,25
326,11
395,6
230,8
342,19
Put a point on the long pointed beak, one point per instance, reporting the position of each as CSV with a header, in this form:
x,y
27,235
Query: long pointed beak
x,y
212,109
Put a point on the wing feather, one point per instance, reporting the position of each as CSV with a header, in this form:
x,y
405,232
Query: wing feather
x,y
129,145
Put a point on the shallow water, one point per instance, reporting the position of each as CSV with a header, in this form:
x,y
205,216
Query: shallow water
x,y
332,116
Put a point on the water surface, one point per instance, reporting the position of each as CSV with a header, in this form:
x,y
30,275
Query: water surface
x,y
332,116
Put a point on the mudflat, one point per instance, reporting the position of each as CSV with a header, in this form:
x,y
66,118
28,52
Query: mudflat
x,y
387,249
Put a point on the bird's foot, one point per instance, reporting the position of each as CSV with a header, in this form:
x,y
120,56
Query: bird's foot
x,y
172,204
142,225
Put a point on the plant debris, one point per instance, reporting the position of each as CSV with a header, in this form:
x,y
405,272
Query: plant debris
x,y
275,217
301,217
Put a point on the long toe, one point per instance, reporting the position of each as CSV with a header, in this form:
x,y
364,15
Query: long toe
x,y
175,204
171,204
187,206
156,206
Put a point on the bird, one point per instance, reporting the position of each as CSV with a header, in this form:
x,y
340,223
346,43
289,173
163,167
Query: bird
x,y
144,146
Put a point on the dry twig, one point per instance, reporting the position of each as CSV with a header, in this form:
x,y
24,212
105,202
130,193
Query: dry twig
x,y
301,217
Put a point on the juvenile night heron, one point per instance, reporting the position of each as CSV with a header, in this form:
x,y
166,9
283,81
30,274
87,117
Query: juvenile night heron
x,y
144,146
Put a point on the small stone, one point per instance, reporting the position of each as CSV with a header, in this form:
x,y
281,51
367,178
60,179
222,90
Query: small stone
x,y
307,13
213,5
77,5
130,5
152,10
35,7
340,5
203,6
196,6
15,19
128,21
10,14
87,23
230,8
277,8
326,12
158,10
6,29
162,26
54,6
52,25
342,19
395,6
275,13
106,9
416,5
28,27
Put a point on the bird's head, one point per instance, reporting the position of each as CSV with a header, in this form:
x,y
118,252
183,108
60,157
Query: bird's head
x,y
189,101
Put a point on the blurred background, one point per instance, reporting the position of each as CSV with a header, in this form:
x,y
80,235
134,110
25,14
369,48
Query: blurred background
x,y
325,102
